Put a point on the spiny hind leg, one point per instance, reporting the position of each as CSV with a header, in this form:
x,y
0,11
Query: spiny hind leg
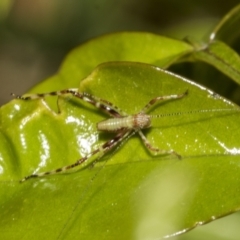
x,y
156,150
99,103
42,95
101,150
105,106
29,97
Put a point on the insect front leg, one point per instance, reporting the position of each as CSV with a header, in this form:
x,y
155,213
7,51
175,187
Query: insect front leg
x,y
169,97
156,150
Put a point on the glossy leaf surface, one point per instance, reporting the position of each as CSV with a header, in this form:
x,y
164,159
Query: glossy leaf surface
x,y
129,193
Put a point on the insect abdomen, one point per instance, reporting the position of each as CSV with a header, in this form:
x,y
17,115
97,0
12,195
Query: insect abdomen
x,y
130,122
115,124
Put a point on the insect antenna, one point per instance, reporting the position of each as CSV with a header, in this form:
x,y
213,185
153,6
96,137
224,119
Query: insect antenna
x,y
194,112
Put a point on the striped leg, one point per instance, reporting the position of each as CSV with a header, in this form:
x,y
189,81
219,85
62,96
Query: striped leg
x,y
42,95
156,150
101,150
154,100
106,106
102,104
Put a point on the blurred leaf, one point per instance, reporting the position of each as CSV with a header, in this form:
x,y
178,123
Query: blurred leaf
x,y
124,46
129,193
220,56
227,29
5,8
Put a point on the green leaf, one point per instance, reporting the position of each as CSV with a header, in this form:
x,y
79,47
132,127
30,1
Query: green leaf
x,y
215,51
124,46
220,56
227,29
129,193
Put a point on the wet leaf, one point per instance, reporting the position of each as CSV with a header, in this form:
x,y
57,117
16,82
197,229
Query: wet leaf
x,y
129,193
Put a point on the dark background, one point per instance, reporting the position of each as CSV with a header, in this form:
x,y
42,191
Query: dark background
x,y
36,35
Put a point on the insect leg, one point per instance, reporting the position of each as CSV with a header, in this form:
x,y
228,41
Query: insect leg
x,y
102,104
42,95
156,150
169,97
105,105
101,150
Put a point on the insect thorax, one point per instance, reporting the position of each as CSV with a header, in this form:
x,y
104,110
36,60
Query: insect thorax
x,y
137,121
